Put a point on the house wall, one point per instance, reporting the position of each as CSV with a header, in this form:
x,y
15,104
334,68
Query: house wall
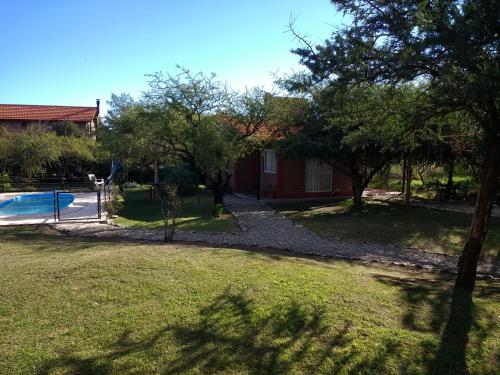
x,y
293,179
12,126
247,181
294,176
287,182
17,126
268,181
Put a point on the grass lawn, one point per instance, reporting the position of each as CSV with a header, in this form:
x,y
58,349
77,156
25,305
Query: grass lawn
x,y
139,212
69,305
433,230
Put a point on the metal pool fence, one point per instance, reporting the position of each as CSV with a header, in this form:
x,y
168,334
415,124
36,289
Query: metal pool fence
x,y
50,207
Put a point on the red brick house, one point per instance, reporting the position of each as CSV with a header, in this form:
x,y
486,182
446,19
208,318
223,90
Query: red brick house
x,y
267,175
16,117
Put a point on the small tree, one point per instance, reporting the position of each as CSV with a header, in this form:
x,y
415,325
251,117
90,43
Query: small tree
x,y
170,205
198,120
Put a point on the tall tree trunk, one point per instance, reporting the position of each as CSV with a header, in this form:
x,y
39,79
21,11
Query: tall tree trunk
x,y
219,186
403,182
408,180
357,191
449,183
467,264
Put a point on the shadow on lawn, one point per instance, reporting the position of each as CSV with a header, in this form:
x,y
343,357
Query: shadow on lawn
x,y
234,335
452,309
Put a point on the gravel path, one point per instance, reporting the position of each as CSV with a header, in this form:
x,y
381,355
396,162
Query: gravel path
x,y
263,227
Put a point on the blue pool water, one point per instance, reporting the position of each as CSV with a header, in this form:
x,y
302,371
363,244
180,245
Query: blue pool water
x,y
29,204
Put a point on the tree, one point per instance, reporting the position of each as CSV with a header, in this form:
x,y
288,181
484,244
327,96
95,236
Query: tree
x,y
453,47
196,119
127,134
357,131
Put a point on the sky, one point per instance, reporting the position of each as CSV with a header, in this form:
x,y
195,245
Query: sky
x,y
69,52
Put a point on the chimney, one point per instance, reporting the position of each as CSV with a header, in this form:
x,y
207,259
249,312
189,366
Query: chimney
x,y
97,103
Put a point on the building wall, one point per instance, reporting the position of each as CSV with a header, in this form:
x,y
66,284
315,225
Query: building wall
x,y
248,174
17,126
12,126
293,181
268,181
294,175
288,181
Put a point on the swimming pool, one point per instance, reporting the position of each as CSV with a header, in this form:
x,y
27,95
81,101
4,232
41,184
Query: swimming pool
x,y
32,204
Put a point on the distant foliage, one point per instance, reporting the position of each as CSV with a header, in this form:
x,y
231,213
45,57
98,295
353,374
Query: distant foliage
x,y
35,152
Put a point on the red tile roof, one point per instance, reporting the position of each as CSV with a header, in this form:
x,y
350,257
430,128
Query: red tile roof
x,y
46,113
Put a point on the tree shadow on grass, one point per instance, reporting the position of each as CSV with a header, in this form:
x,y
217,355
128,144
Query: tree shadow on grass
x,y
435,307
231,334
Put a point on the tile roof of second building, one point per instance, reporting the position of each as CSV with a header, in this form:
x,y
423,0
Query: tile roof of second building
x,y
23,112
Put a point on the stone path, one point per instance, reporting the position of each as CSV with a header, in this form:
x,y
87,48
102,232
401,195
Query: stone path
x,y
263,227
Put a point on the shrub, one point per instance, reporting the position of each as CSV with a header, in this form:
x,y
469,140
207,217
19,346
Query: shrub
x,y
113,200
5,183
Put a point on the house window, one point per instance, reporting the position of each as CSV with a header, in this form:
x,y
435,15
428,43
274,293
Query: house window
x,y
318,176
269,161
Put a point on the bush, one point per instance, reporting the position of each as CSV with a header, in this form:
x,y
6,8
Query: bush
x,y
5,183
114,200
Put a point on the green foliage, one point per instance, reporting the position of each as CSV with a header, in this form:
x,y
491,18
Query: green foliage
x,y
114,200
451,45
358,130
34,152
127,132
4,181
182,176
31,152
197,120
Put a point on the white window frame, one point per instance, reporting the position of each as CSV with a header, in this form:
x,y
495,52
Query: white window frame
x,y
269,165
315,174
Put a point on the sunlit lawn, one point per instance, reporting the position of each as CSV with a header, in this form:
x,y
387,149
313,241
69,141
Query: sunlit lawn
x,y
75,306
433,230
195,214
